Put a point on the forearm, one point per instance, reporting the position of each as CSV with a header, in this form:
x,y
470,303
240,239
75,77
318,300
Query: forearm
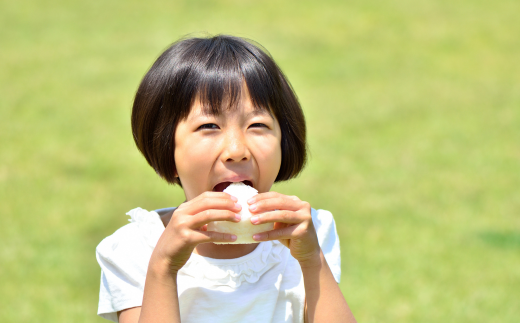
x,y
160,300
325,302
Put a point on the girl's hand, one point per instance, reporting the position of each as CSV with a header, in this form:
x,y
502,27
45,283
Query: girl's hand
x,y
187,228
292,224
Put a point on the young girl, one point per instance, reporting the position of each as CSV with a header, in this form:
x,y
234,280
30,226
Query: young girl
x,y
208,113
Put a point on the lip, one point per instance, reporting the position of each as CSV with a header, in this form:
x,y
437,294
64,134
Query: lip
x,y
232,179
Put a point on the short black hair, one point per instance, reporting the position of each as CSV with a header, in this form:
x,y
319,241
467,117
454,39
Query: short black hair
x,y
213,70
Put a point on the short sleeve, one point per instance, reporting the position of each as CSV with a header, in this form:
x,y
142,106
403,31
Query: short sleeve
x,y
328,239
124,259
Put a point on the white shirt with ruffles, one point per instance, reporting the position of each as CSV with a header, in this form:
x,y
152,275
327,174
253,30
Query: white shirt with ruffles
x,y
265,285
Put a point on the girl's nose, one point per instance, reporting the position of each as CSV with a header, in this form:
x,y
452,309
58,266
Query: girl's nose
x,y
235,148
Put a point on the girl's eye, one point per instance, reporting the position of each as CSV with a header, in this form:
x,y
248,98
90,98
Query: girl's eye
x,y
208,126
258,125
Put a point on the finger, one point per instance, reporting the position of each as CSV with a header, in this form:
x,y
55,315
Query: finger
x,y
206,216
233,198
211,194
279,234
210,201
204,196
212,236
268,195
281,202
221,195
283,216
263,196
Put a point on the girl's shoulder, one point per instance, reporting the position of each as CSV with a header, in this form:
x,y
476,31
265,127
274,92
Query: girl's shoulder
x,y
141,234
123,257
328,239
322,217
324,224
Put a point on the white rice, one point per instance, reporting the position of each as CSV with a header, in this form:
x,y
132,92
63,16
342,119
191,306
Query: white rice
x,y
244,229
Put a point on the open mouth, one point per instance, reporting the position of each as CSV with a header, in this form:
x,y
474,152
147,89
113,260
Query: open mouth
x,y
220,187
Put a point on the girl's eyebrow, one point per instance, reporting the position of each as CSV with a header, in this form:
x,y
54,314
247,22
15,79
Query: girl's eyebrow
x,y
257,112
200,114
254,113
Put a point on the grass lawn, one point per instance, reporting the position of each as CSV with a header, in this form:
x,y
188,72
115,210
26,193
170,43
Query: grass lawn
x,y
413,110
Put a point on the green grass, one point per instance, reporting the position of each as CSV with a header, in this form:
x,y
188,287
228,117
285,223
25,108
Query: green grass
x,y
413,116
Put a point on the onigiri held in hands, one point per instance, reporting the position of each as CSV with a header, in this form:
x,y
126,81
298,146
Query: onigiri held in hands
x,y
244,229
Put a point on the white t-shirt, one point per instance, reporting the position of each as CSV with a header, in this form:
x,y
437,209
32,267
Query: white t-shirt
x,y
265,285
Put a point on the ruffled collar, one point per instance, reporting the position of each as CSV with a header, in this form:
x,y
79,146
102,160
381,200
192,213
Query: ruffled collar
x,y
228,272
149,223
233,272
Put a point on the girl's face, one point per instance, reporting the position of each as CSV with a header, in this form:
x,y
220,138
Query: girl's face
x,y
239,145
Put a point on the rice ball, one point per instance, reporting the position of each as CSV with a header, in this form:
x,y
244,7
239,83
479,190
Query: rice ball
x,y
244,229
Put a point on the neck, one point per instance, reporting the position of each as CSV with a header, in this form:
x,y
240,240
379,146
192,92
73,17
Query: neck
x,y
224,251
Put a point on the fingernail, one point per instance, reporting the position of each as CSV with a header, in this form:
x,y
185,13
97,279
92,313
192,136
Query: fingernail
x,y
238,206
256,237
252,207
233,237
254,219
234,199
251,200
238,217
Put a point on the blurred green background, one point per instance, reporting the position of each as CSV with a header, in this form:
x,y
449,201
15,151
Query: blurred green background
x,y
413,110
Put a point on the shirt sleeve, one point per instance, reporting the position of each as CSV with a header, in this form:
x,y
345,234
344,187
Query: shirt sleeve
x,y
328,239
124,259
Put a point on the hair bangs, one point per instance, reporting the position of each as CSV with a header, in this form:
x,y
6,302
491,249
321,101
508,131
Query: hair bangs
x,y
223,70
